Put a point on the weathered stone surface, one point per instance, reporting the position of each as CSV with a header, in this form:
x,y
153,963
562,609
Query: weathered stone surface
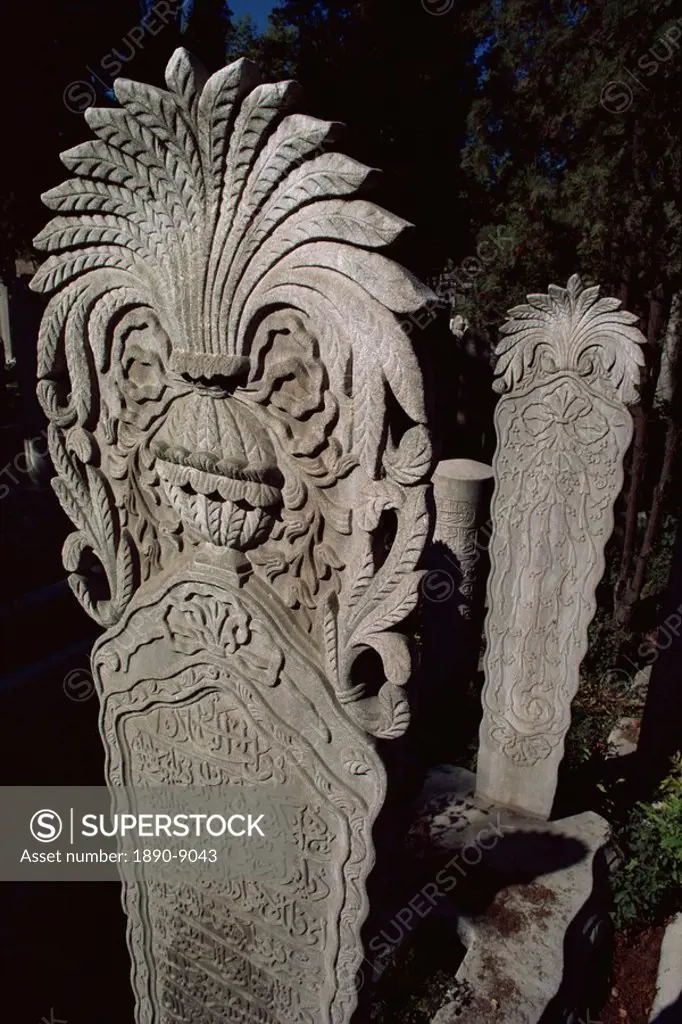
x,y
543,903
667,1006
206,681
567,366
238,426
453,591
461,489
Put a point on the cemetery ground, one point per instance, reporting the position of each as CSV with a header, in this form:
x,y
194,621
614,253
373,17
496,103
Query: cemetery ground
x,y
49,731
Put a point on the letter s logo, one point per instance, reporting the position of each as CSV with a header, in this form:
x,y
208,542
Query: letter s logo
x,y
46,826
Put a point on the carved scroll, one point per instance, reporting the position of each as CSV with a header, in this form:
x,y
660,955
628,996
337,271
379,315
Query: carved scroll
x,y
567,366
226,377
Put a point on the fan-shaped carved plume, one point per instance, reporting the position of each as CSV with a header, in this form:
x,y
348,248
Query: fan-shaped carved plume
x,y
224,345
571,329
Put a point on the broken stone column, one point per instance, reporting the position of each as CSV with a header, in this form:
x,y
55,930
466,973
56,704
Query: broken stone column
x,y
452,606
238,427
461,492
568,365
455,562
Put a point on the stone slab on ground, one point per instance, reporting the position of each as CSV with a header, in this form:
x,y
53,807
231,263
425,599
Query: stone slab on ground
x,y
667,1007
530,944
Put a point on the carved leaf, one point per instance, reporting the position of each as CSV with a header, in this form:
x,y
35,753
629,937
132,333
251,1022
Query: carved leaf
x,y
410,462
186,77
396,714
413,528
126,576
295,139
396,606
217,109
364,572
211,205
58,269
571,329
70,504
331,174
51,359
104,512
330,617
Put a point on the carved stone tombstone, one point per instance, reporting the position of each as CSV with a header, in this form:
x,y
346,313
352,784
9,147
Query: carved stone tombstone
x,y
568,365
453,592
460,491
238,427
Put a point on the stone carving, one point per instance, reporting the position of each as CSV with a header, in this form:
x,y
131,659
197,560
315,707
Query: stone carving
x,y
568,364
460,490
207,681
228,386
453,589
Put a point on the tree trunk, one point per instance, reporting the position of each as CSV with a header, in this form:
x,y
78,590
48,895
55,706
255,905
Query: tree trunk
x,y
629,586
625,595
637,464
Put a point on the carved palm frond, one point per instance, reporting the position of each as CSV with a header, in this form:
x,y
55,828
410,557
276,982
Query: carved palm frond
x,y
214,202
199,210
571,329
195,214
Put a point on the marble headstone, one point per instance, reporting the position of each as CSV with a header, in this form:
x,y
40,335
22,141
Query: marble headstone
x,y
237,423
568,365
453,591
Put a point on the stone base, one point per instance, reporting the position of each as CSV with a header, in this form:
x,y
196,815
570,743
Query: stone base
x,y
667,1008
527,898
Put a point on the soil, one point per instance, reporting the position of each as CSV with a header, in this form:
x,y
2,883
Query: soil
x,y
635,969
506,920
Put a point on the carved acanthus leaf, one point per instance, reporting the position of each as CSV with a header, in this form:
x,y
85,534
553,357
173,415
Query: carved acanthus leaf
x,y
571,329
225,334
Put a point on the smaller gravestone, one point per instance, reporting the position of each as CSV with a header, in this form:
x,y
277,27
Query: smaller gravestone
x,y
461,489
568,365
452,587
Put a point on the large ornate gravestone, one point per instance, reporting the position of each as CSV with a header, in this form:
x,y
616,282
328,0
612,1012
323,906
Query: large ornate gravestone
x,y
237,423
568,366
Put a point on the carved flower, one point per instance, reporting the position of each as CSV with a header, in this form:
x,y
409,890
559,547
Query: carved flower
x,y
566,418
202,623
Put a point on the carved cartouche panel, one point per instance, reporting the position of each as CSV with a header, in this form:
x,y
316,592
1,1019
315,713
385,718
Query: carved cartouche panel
x,y
226,377
205,682
568,364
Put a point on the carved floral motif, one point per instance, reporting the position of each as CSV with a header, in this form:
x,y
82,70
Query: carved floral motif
x,y
217,363
569,361
228,385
